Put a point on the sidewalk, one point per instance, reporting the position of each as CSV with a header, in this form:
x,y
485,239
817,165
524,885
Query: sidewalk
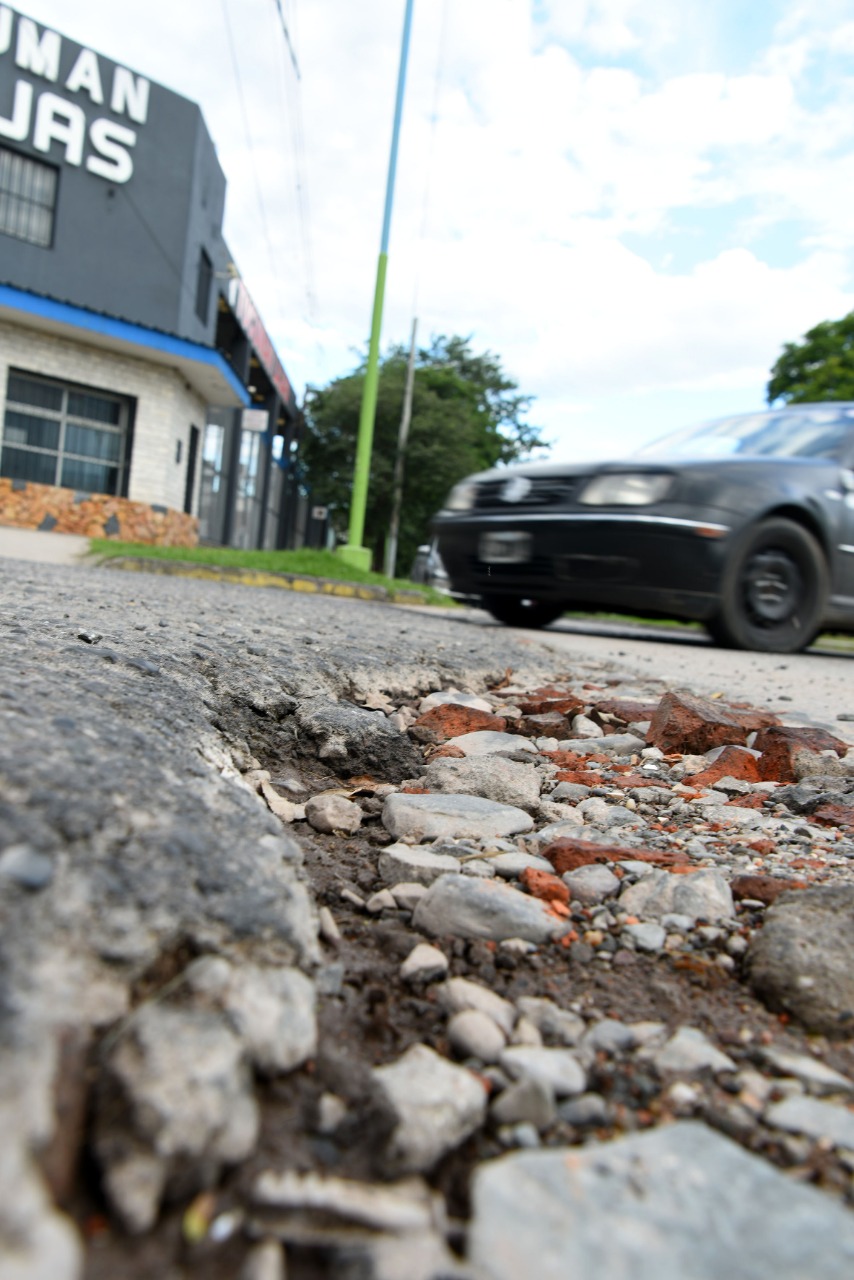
x,y
72,549
48,548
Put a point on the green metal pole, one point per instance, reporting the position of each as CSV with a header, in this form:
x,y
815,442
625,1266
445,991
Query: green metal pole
x,y
353,552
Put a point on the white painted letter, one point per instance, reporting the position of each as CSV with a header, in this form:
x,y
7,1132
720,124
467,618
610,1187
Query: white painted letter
x,y
39,55
19,126
60,121
85,75
130,95
5,28
110,141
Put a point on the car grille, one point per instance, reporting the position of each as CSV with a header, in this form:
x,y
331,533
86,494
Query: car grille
x,y
540,567
545,491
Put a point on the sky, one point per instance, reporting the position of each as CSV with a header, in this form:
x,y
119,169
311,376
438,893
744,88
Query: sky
x,y
633,205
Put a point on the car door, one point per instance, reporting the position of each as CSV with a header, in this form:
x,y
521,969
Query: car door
x,y
845,586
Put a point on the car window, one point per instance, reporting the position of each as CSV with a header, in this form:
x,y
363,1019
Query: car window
x,y
824,431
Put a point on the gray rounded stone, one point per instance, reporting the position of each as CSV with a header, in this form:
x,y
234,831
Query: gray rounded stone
x,y
424,964
333,812
592,884
473,1034
701,894
570,827
688,1052
494,778
474,908
647,936
802,960
459,994
487,742
429,817
558,1024
405,864
651,1206
511,865
814,1118
527,1101
437,1104
557,1069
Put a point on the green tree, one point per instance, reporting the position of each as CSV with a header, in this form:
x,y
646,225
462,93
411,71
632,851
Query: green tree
x,y
819,367
467,415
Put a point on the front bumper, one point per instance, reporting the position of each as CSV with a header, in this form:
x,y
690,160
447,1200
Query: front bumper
x,y
656,564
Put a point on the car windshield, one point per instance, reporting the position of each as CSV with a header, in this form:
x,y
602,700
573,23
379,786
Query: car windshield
x,y
810,431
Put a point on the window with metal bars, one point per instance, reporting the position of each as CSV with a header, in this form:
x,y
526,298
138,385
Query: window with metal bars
x,y
27,198
66,435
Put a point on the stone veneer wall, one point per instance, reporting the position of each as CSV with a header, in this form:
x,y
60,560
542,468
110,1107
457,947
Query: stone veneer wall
x,y
165,406
94,515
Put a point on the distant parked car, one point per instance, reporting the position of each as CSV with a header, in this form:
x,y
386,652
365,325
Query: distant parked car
x,y
427,567
745,524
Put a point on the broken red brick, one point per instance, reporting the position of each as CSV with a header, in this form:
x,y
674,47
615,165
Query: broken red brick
x,y
733,762
567,854
574,759
834,815
551,724
580,776
450,720
748,802
765,889
541,701
688,724
543,885
781,745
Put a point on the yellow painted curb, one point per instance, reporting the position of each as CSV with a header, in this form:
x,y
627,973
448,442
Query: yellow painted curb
x,y
261,578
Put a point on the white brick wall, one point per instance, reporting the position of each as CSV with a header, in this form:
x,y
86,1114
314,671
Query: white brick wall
x,y
166,407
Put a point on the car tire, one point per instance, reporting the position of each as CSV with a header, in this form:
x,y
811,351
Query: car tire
x,y
774,590
519,611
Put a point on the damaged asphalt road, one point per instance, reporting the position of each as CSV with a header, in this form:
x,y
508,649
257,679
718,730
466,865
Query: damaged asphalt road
x,y
201,1007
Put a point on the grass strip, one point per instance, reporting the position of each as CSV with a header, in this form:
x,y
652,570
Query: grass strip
x,y
310,563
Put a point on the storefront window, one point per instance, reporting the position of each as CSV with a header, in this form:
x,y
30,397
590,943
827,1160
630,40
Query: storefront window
x,y
70,436
210,488
247,506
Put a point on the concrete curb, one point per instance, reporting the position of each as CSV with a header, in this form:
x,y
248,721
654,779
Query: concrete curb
x,y
261,578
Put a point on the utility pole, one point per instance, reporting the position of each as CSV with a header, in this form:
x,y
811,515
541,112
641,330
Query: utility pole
x,y
353,552
400,461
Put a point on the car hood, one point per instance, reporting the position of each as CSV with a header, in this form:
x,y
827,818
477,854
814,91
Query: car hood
x,y
617,466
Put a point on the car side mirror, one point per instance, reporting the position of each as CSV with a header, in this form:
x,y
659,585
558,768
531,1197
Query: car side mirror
x,y
846,479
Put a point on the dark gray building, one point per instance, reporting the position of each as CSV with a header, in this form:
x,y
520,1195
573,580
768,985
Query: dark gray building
x,y
133,362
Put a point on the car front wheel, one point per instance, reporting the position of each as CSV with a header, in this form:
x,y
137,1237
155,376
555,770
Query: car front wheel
x,y
774,590
519,611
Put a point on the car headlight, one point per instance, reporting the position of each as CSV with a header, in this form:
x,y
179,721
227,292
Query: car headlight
x,y
461,497
625,489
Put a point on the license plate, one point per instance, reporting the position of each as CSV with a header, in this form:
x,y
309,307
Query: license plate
x,y
504,548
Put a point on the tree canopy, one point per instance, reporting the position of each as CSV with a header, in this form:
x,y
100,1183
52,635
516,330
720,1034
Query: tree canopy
x,y
467,415
819,367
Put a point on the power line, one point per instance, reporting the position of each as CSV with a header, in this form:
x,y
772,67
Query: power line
x,y
287,36
239,85
295,118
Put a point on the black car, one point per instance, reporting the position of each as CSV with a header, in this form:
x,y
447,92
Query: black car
x,y
745,524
